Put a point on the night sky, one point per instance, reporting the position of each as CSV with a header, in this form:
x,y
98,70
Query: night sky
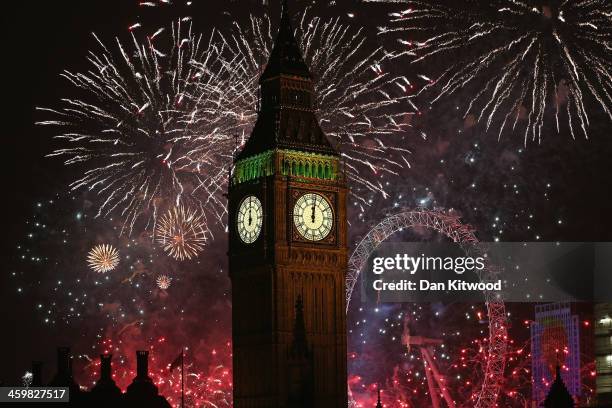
x,y
559,190
42,40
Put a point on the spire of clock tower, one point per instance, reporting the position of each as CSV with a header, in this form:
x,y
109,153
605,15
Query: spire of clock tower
x,y
287,117
286,57
379,403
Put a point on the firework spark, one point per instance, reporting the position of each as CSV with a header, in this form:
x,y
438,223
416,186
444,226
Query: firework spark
x,y
522,63
110,306
103,258
155,128
26,379
361,107
163,282
133,129
182,232
207,381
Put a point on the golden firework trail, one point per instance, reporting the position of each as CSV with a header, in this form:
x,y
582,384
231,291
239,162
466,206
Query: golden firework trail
x,y
182,232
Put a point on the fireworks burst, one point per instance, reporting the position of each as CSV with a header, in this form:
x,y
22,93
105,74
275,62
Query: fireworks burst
x,y
361,107
134,125
125,305
182,232
103,258
26,379
155,128
163,282
519,62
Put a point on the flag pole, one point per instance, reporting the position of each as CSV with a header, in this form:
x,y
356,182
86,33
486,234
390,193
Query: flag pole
x,y
182,378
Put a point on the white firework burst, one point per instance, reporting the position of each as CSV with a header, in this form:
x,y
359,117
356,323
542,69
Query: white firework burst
x,y
520,62
140,113
103,258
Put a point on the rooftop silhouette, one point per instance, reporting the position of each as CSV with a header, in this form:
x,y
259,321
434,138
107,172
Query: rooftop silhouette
x,y
558,396
142,392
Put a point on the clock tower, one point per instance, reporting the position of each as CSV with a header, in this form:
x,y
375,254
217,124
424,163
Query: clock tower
x,y
288,247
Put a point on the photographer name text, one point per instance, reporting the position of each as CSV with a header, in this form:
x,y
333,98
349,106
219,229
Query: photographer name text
x,y
426,285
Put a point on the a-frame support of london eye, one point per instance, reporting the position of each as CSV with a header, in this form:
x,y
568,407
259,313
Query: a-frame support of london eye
x,y
436,382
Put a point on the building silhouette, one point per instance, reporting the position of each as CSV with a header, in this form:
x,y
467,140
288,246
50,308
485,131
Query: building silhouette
x,y
37,374
555,334
558,395
142,392
288,247
105,393
63,377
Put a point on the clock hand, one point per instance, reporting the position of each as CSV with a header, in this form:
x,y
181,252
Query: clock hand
x,y
312,214
250,208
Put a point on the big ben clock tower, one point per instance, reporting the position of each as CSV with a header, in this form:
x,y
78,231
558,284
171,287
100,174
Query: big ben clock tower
x,y
288,247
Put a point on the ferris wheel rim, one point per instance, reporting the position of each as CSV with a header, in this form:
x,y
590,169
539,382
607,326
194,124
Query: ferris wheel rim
x,y
450,226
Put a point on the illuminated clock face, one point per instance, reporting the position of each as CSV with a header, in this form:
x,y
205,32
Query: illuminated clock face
x,y
313,216
249,219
